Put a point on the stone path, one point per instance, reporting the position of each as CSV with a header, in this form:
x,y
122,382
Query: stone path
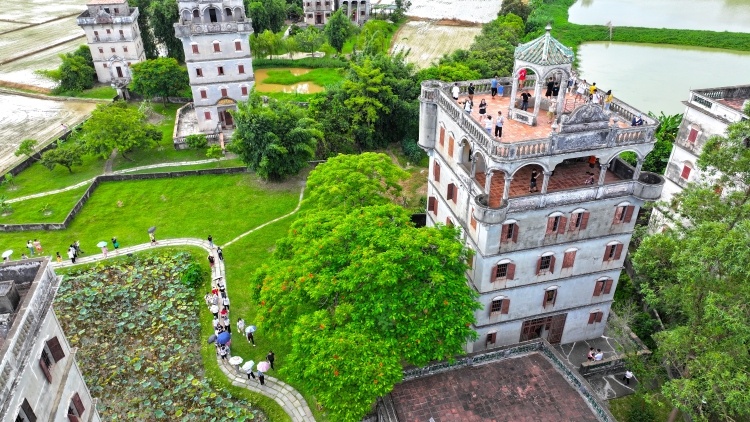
x,y
130,170
287,397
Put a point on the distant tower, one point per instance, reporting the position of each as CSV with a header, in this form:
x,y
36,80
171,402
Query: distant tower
x,y
214,36
113,36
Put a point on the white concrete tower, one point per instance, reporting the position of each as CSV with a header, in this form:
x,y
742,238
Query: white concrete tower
x,y
112,33
214,35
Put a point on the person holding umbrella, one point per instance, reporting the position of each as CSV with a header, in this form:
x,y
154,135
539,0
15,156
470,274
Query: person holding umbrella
x,y
248,368
249,332
103,245
151,236
262,367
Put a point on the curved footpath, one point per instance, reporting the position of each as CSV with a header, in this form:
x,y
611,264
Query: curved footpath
x,y
130,170
287,397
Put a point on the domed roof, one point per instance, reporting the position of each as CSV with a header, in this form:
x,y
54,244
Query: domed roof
x,y
545,51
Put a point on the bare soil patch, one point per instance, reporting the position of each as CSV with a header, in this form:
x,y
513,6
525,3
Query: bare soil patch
x,y
428,41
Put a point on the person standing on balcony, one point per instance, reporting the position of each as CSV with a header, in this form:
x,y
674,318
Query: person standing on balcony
x,y
455,91
637,121
550,87
493,86
532,184
488,125
499,125
467,106
525,100
471,91
608,100
482,107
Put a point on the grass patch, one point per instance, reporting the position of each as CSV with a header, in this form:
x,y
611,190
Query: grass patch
x,y
216,164
570,34
47,209
307,62
290,96
195,206
635,408
38,178
321,76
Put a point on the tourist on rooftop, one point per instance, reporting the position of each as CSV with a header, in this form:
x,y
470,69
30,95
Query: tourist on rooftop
x,y
493,86
483,107
499,125
467,106
608,100
581,89
637,121
471,91
525,101
455,91
592,89
550,87
488,125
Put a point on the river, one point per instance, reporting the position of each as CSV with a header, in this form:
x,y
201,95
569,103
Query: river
x,y
711,15
655,77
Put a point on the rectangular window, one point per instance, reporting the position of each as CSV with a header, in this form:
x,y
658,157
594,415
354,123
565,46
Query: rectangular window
x,y
502,271
436,171
55,348
473,221
569,259
550,297
452,192
117,10
101,50
105,65
450,147
603,287
199,72
124,49
122,34
545,264
241,69
109,32
207,115
96,35
499,307
217,47
112,49
470,259
685,173
195,48
26,414
244,90
509,233
595,317
491,338
612,252
220,70
579,221
204,94
223,92
45,362
693,135
556,225
237,46
623,214
76,408
442,136
432,205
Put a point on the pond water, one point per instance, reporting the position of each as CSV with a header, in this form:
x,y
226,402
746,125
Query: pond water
x,y
654,77
298,88
712,15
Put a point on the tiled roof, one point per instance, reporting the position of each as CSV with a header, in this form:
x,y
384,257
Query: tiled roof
x,y
545,51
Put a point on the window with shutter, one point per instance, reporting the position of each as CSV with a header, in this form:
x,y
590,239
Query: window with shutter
x,y
550,296
237,46
195,48
598,287
450,146
244,90
613,252
241,69
509,233
436,171
26,414
693,135
502,271
685,172
55,349
545,264
496,306
442,136
45,363
623,214
432,205
78,404
204,95
207,115
595,317
607,286
569,259
217,47
473,221
452,192
579,221
223,92
491,338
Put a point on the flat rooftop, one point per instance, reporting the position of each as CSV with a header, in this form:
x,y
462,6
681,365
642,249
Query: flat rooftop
x,y
519,389
22,273
514,131
731,96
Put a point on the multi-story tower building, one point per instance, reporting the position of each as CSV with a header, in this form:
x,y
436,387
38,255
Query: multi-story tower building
x,y
547,256
317,12
112,33
708,112
39,377
214,35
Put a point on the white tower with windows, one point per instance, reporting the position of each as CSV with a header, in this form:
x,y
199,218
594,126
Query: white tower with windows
x,y
214,36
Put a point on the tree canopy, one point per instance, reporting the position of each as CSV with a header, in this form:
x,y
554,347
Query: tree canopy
x,y
162,77
275,141
360,290
75,74
115,125
338,29
27,147
66,155
162,14
696,276
267,14
309,39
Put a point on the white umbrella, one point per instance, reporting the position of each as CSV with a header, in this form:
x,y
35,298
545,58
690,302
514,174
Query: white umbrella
x,y
263,366
101,244
248,366
8,253
235,360
214,309
250,329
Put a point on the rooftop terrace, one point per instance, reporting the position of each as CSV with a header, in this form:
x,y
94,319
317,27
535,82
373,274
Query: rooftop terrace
x,y
731,96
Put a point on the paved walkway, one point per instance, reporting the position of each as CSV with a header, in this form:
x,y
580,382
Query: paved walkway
x,y
130,170
287,397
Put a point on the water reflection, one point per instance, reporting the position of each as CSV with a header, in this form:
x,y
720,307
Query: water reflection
x,y
712,15
656,77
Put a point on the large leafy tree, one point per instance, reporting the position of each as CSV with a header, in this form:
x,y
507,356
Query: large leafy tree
x,y
266,43
267,14
309,39
76,72
66,155
162,77
696,276
361,291
162,14
275,141
338,29
115,125
147,36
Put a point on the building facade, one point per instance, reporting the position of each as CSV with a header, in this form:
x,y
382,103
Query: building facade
x,y
39,377
547,253
317,12
708,112
214,36
112,33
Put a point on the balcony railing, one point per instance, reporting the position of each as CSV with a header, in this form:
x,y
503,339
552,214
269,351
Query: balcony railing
x,y
557,143
188,28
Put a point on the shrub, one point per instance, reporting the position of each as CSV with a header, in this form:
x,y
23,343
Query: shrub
x,y
196,141
192,276
215,152
307,62
412,151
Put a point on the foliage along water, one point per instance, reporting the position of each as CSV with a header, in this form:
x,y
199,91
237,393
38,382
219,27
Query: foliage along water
x,y
655,77
712,15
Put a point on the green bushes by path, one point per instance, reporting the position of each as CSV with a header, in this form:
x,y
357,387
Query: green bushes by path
x,y
570,34
308,62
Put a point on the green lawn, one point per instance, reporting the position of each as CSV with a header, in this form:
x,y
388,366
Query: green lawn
x,y
322,77
196,206
624,409
31,210
234,162
38,178
97,92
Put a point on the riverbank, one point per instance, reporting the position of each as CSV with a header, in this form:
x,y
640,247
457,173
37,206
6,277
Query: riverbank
x,y
573,35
